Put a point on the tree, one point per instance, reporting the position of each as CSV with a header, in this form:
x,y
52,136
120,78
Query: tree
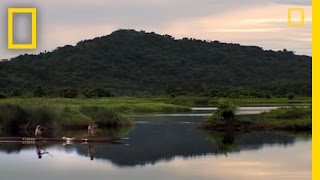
x,y
291,96
101,92
69,93
15,93
2,96
96,92
226,110
39,92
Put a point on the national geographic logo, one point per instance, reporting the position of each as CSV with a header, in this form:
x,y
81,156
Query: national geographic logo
x,y
12,31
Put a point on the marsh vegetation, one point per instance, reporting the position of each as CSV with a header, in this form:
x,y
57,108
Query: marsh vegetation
x,y
286,118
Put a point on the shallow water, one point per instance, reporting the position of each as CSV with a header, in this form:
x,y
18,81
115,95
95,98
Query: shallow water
x,y
164,147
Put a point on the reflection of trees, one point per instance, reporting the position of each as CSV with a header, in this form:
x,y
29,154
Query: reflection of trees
x,y
12,148
225,141
234,141
25,133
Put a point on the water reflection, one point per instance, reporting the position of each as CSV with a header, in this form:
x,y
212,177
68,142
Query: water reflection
x,y
165,148
232,142
41,151
91,151
158,141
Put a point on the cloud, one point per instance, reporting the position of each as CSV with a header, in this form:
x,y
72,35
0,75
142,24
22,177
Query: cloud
x,y
247,30
265,26
65,22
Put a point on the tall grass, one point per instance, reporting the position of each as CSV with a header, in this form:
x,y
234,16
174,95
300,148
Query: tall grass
x,y
213,101
120,104
105,117
15,117
288,113
292,118
25,117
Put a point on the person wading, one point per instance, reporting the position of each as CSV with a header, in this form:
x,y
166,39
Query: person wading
x,y
92,129
39,131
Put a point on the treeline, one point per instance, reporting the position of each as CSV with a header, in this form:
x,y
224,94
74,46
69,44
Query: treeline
x,y
64,93
236,93
171,91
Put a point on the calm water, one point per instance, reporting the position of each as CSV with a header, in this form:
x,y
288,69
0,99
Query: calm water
x,y
164,147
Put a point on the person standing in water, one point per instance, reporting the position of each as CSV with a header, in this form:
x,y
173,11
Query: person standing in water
x,y
92,129
39,131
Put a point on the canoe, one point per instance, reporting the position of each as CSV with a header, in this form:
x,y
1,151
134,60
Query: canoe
x,y
62,139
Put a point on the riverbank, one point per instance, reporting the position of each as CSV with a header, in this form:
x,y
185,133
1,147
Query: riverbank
x,y
27,117
118,104
26,113
213,101
287,119
157,103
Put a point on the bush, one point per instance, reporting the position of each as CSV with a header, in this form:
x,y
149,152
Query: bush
x,y
291,96
2,96
225,112
96,92
69,93
15,93
226,109
12,116
39,92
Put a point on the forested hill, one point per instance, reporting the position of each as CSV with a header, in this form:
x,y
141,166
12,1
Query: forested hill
x,y
131,62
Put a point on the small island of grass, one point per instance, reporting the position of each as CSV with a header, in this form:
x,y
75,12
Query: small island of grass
x,y
286,118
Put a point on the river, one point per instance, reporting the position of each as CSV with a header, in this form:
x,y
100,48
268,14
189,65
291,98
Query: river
x,y
164,146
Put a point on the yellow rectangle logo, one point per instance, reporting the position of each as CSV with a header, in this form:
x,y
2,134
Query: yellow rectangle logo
x,y
33,12
298,21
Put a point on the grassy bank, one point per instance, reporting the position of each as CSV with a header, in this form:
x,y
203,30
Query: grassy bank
x,y
118,104
291,119
288,119
17,117
212,101
25,113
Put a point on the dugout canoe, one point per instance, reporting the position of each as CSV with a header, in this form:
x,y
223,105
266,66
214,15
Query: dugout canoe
x,y
62,139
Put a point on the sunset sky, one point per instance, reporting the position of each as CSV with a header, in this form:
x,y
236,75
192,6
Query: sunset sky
x,y
249,22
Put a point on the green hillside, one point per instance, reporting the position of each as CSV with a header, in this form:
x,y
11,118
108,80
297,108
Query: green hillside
x,y
129,62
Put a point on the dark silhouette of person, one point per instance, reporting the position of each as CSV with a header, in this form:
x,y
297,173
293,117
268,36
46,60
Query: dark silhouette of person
x,y
91,151
40,150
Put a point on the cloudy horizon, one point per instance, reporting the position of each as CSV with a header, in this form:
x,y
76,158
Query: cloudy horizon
x,y
248,22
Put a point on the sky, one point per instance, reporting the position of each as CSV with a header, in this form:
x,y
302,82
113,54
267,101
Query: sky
x,y
248,22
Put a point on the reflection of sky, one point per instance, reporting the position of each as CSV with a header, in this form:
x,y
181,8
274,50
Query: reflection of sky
x,y
251,22
271,162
